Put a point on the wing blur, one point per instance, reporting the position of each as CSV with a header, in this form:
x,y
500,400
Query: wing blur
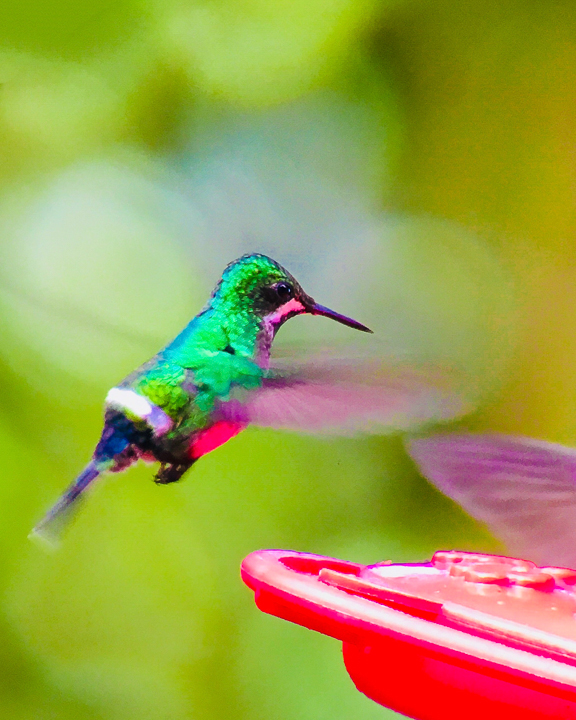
x,y
524,490
350,395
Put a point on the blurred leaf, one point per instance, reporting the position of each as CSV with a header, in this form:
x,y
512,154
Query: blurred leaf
x,y
65,27
258,52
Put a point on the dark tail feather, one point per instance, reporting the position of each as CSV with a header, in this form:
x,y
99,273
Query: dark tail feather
x,y
49,529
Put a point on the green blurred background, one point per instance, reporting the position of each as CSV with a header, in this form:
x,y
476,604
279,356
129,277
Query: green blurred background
x,y
413,163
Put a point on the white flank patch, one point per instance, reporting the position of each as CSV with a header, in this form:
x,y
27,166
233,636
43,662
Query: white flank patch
x,y
138,406
122,399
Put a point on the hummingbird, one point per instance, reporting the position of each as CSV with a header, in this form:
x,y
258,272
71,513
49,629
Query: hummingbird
x,y
522,489
216,377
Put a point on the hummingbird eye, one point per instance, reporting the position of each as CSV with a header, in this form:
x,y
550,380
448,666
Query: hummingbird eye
x,y
284,291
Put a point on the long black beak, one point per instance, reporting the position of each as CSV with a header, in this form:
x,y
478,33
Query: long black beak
x,y
316,309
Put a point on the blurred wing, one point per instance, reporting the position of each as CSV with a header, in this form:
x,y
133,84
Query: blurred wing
x,y
349,395
524,490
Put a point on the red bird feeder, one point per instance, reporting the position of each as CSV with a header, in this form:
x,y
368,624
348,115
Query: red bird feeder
x,y
465,636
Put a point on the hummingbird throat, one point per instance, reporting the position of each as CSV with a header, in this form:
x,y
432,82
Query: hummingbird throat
x,y
270,325
274,320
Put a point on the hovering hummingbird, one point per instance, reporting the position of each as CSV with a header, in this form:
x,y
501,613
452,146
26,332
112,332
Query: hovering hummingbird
x,y
524,490
216,377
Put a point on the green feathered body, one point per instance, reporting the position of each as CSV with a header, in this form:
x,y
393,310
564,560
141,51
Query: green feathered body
x,y
225,347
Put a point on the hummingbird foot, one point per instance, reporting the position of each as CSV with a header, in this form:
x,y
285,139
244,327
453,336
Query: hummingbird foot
x,y
171,472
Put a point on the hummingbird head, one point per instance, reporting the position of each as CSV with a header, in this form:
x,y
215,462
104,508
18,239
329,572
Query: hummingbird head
x,y
261,286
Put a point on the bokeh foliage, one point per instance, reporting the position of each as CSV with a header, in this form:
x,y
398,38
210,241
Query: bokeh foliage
x,y
411,162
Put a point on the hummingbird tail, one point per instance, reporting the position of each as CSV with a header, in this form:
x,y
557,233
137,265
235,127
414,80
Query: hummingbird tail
x,y
49,529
